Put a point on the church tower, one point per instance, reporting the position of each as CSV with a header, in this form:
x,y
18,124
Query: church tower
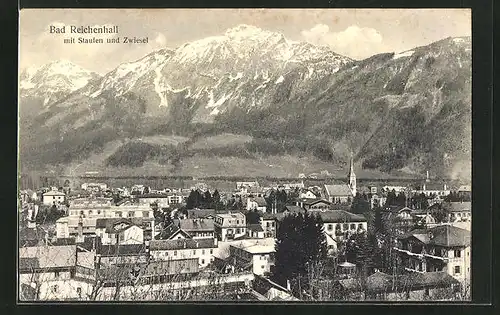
x,y
352,176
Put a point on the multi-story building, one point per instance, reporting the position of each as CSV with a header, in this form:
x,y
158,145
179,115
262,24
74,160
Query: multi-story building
x,y
268,223
441,248
198,228
53,197
178,249
120,231
339,224
248,253
86,211
229,226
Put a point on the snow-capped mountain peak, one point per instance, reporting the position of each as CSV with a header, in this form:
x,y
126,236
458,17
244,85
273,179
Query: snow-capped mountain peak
x,y
51,81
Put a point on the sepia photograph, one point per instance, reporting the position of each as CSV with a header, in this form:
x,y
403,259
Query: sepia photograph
x,y
244,155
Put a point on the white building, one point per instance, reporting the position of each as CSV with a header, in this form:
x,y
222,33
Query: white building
x,y
229,225
180,249
259,255
121,231
257,203
53,197
338,224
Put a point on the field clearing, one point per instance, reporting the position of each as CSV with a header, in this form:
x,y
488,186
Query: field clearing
x,y
163,140
222,140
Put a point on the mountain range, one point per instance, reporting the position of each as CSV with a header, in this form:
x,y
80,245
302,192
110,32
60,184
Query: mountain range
x,y
407,111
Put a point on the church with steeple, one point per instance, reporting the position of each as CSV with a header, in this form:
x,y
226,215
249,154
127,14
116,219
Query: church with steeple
x,y
351,176
342,193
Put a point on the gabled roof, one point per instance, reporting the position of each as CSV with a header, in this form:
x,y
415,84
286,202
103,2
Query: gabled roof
x,y
200,213
261,202
50,256
171,231
189,225
341,190
457,206
338,216
443,235
54,193
121,250
377,282
110,223
181,244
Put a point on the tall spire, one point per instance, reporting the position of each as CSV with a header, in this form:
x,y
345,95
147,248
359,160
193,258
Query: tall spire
x,y
352,176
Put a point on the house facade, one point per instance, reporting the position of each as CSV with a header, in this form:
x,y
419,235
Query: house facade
x,y
259,257
229,226
180,249
53,197
256,203
198,228
443,248
119,231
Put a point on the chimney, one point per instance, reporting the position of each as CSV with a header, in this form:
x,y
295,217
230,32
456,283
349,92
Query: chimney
x,y
185,244
197,245
445,187
288,286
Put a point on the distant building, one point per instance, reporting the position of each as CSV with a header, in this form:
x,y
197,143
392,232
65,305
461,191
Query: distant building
x,y
313,204
257,203
307,194
339,224
180,249
241,185
53,197
442,248
119,231
268,223
430,189
94,187
198,228
255,231
259,256
229,225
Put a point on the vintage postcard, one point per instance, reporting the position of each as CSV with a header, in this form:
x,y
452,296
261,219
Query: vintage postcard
x,y
244,155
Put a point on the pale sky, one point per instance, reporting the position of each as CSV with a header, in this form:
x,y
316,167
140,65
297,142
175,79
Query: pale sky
x,y
356,33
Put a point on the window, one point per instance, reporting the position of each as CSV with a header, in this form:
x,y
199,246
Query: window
x,y
175,253
237,231
345,226
203,261
353,226
56,274
457,269
360,226
237,221
145,214
330,227
268,224
211,251
118,214
194,252
262,267
55,288
457,253
272,224
79,292
98,211
203,252
131,214
121,237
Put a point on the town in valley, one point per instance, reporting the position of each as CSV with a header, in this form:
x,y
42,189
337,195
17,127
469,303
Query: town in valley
x,y
275,241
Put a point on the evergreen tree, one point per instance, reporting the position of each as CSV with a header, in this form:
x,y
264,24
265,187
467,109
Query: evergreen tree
x,y
216,202
360,205
253,217
300,241
378,219
193,200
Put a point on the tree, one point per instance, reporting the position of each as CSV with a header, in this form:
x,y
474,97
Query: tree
x,y
252,217
300,243
378,219
216,201
207,199
193,200
360,205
